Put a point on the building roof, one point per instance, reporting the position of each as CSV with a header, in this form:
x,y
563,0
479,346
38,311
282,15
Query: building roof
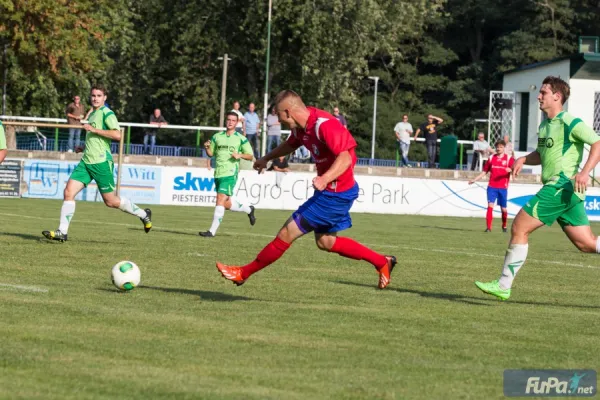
x,y
578,60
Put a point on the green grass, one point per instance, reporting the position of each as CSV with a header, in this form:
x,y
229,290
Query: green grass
x,y
311,326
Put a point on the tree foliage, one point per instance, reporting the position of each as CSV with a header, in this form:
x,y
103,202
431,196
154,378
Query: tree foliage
x,y
432,56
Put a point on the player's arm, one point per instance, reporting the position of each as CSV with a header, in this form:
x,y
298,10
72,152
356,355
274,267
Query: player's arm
x,y
210,146
3,149
3,154
478,177
583,133
113,132
532,158
246,152
342,162
285,148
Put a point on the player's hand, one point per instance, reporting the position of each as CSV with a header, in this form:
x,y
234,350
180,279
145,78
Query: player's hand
x,y
207,144
260,165
319,183
471,182
88,127
235,155
581,181
518,166
508,169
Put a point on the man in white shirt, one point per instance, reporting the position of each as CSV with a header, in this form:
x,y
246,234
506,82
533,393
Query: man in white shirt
x,y
403,132
509,149
481,149
239,127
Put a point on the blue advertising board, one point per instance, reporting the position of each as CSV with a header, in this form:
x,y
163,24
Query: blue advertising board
x,y
47,179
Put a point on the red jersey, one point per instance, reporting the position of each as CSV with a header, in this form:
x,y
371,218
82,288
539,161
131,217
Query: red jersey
x,y
496,166
325,137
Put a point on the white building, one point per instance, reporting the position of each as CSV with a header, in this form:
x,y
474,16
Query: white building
x,y
581,71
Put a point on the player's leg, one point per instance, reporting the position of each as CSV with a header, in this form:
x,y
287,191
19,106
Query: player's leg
x,y
233,204
543,209
77,181
222,197
576,226
268,255
103,174
349,248
502,202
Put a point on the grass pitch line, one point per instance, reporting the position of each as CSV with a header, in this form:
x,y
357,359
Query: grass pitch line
x,y
23,287
447,251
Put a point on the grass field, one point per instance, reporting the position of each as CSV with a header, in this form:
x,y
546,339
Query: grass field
x,y
311,326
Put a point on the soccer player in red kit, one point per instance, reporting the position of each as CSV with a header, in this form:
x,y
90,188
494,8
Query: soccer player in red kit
x,y
499,166
327,212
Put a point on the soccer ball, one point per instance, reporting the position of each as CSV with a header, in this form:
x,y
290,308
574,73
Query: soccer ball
x,y
126,275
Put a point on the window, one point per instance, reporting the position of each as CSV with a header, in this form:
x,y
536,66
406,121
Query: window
x,y
597,113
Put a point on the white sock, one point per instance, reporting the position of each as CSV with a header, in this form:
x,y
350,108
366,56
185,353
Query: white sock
x,y
66,214
130,208
513,261
598,245
217,218
239,207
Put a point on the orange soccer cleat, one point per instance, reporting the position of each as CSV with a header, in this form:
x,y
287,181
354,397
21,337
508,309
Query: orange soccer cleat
x,y
385,272
234,274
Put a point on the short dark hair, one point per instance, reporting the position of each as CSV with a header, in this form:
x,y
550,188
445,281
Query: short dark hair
x,y
502,142
233,114
100,87
558,85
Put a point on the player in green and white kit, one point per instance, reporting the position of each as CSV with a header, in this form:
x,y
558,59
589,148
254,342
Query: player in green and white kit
x,y
228,148
559,151
3,150
97,164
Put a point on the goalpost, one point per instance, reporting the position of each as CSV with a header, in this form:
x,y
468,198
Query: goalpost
x,y
56,128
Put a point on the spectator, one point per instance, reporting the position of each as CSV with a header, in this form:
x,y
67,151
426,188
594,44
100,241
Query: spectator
x,y
239,127
251,127
273,130
302,155
403,132
281,167
155,119
481,149
3,150
340,117
429,129
509,149
75,113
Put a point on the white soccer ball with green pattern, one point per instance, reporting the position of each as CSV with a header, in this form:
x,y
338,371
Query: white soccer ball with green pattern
x,y
126,275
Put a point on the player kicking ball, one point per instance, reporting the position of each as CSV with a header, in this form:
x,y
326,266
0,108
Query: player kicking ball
x,y
327,212
499,167
228,148
560,150
97,164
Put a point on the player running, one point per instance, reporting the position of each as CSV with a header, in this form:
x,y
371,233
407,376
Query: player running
x,y
228,148
499,166
559,151
327,211
97,164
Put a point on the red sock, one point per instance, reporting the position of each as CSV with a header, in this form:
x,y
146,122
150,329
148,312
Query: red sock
x,y
488,217
349,248
267,256
504,218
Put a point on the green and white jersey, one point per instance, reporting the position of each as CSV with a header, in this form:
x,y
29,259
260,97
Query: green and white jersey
x,y
2,137
222,146
560,144
97,148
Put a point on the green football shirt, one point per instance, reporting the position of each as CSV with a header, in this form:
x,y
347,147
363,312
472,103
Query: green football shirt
x,y
97,148
2,137
222,146
560,144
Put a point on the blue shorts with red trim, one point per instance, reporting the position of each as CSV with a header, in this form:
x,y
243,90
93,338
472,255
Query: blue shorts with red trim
x,y
500,194
326,212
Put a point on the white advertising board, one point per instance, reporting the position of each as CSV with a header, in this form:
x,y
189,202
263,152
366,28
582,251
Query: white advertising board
x,y
378,194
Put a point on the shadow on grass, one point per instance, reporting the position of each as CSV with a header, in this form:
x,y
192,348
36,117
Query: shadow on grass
x,y
469,299
448,228
25,236
203,294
